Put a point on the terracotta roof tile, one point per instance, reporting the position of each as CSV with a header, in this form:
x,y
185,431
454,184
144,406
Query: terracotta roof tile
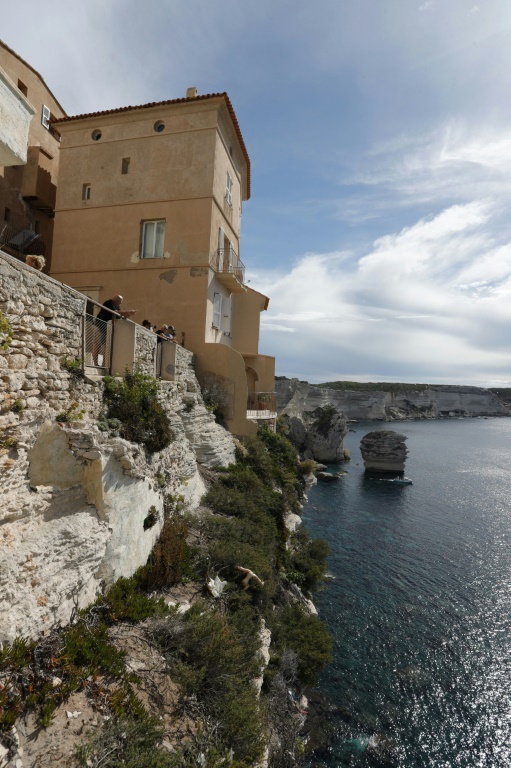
x,y
184,100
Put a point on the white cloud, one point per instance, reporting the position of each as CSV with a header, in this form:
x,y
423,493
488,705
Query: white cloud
x,y
432,299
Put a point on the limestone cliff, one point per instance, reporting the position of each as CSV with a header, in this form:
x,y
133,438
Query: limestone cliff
x,y
318,434
75,499
429,402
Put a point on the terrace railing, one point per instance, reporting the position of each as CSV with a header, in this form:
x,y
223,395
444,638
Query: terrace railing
x,y
225,261
261,405
97,343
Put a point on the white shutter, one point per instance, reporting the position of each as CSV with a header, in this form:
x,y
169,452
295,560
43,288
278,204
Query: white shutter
x,y
228,189
221,241
217,310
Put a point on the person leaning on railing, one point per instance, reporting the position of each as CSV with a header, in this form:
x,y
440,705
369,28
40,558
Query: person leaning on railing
x,y
108,312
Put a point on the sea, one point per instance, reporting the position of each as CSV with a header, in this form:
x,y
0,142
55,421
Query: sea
x,y
418,603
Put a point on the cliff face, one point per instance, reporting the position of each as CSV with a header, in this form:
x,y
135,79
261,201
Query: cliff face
x,y
294,397
74,499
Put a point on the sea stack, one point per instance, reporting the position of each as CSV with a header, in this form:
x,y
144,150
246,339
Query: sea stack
x,y
384,451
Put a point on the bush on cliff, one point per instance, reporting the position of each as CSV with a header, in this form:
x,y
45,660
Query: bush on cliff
x,y
306,563
133,400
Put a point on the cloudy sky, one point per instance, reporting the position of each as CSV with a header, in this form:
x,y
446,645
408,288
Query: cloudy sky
x,y
380,138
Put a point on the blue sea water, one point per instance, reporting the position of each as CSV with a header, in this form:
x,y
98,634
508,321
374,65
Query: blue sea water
x,y
420,603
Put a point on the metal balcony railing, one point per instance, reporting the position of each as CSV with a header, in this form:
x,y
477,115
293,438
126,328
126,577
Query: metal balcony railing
x,y
261,405
21,240
226,261
97,342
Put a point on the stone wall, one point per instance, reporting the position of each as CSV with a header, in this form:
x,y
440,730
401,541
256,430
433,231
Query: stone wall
x,y
145,350
74,498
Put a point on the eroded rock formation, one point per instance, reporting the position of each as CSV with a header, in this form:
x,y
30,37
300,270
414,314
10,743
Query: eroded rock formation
x,y
75,500
318,434
384,451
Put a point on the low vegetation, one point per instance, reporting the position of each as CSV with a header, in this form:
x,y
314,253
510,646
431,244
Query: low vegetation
x,y
133,402
72,365
210,651
73,413
6,332
323,418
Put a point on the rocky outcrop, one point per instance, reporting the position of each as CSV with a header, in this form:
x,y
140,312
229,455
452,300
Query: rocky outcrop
x,y
318,434
432,402
384,451
80,507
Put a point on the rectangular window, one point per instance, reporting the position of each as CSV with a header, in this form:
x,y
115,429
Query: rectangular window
x,y
125,165
86,192
23,88
7,214
217,310
153,236
228,189
46,116
37,227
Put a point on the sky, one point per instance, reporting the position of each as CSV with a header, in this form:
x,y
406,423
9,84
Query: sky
x,y
379,133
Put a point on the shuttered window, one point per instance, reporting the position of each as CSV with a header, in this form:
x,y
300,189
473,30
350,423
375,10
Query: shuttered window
x,y
217,310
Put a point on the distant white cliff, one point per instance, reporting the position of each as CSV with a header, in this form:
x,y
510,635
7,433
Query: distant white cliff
x,y
295,397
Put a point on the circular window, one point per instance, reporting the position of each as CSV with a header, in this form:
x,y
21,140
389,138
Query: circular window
x,y
159,126
96,135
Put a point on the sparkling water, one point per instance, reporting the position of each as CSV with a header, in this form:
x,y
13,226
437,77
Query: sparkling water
x,y
420,602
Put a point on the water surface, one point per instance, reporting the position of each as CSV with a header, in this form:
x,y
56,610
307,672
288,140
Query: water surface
x,y
420,604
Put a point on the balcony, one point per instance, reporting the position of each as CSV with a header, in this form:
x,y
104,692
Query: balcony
x,y
229,269
262,406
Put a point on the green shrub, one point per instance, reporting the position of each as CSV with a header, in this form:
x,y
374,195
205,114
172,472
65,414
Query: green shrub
x,y
18,406
170,558
127,742
110,425
323,418
307,560
126,601
151,518
307,467
72,414
213,657
307,636
133,400
72,365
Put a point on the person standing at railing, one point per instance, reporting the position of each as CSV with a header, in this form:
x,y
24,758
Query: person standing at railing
x,y
105,315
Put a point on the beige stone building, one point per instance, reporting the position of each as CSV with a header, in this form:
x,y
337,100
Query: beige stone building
x,y
28,185
149,205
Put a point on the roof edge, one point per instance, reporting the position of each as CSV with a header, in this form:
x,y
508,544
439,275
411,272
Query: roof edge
x,y
168,102
41,78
